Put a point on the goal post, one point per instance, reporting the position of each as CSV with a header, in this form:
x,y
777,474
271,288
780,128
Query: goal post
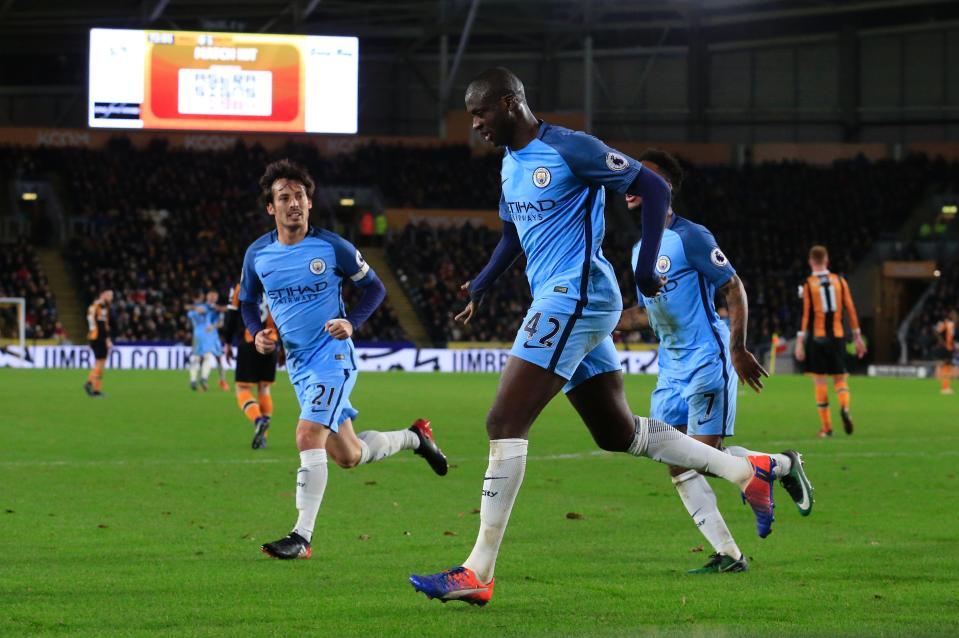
x,y
14,335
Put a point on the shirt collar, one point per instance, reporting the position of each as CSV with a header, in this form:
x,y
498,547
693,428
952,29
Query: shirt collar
x,y
542,129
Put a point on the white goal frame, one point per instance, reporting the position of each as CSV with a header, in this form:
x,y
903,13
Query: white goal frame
x,y
21,304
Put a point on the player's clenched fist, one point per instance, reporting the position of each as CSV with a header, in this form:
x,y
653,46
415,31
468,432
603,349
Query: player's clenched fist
x,y
339,328
265,341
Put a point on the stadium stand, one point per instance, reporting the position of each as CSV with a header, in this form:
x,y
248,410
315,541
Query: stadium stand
x,y
765,217
435,262
22,276
945,297
158,225
198,215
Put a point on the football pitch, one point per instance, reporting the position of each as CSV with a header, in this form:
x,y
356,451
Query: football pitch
x,y
141,514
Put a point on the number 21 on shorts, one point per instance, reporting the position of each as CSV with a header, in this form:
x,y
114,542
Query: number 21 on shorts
x,y
323,399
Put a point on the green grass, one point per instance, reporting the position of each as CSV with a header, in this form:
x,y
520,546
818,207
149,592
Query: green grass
x,y
141,515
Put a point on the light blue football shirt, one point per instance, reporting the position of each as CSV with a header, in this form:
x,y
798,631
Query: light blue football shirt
x,y
554,192
683,313
302,284
205,340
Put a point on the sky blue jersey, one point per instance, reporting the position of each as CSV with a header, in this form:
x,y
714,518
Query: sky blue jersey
x,y
683,313
553,191
206,337
301,284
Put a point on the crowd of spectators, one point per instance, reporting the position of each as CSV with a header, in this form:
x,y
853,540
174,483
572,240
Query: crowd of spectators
x,y
22,276
161,224
433,263
765,218
428,177
923,344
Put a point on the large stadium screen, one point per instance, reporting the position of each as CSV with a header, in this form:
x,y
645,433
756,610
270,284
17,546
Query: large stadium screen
x,y
222,81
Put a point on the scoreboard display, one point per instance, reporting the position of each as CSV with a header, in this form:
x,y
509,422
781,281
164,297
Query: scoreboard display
x,y
222,81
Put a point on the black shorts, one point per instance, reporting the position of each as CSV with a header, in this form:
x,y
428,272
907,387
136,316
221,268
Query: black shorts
x,y
100,349
826,355
253,367
944,355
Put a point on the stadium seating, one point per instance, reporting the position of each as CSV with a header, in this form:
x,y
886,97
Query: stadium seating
x,y
435,262
922,338
765,218
158,224
22,276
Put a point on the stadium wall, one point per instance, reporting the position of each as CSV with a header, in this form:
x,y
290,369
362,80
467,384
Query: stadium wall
x,y
707,153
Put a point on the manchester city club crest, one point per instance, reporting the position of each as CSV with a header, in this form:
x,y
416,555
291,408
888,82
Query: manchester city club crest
x,y
317,266
663,264
541,177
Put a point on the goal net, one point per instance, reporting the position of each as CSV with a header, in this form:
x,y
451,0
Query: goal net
x,y
13,326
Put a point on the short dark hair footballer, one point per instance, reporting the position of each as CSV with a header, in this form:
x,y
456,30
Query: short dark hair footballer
x,y
284,169
668,164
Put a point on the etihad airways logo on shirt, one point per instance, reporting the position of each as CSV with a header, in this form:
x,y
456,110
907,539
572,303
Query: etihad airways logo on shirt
x,y
295,294
529,211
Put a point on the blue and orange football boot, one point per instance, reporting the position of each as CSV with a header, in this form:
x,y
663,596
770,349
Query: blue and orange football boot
x,y
759,493
458,583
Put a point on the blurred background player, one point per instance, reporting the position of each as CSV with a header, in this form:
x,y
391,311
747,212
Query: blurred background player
x,y
206,318
98,333
213,302
701,359
255,372
826,300
302,269
946,350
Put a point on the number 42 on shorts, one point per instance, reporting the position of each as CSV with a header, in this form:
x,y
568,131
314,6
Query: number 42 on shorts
x,y
553,326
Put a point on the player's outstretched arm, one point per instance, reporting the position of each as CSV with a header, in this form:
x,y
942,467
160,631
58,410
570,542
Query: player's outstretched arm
x,y
505,253
750,371
632,319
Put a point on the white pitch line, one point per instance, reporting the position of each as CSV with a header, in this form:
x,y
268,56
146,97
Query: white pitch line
x,y
548,457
